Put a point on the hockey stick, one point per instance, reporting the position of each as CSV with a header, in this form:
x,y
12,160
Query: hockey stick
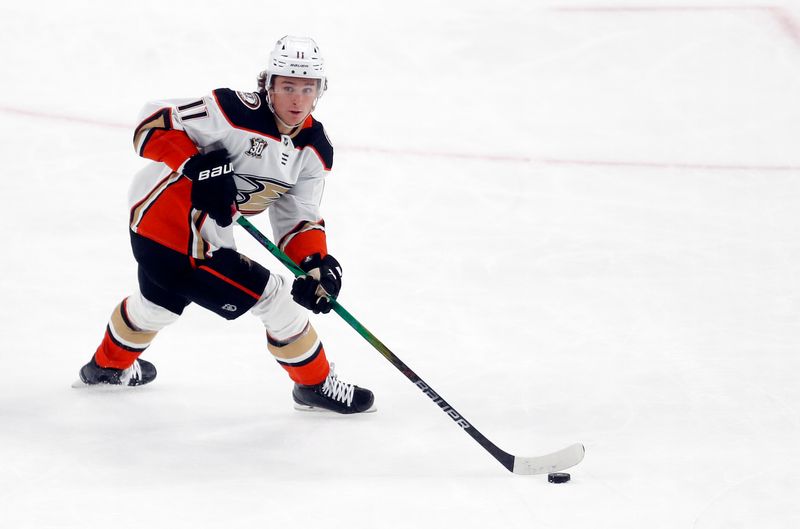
x,y
560,460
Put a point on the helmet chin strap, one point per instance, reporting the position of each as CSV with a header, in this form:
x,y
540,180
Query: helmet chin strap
x,y
288,126
291,127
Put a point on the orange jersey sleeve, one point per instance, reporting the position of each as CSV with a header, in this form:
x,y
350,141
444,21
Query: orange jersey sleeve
x,y
156,139
306,239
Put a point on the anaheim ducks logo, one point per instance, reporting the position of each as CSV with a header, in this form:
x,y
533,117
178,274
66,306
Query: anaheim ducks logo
x,y
250,99
256,193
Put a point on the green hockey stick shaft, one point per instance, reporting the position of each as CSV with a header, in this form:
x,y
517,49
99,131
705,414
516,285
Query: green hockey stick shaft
x,y
522,466
337,307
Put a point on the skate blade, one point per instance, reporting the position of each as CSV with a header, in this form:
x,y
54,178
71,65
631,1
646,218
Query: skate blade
x,y
110,388
314,409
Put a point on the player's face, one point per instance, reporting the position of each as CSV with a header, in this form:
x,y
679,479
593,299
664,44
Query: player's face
x,y
293,98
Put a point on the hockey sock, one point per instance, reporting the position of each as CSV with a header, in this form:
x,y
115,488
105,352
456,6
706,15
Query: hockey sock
x,y
302,356
123,341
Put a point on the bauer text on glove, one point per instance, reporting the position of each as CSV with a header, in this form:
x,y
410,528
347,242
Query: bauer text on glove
x,y
213,187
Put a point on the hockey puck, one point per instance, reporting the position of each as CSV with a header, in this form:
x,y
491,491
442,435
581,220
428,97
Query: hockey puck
x,y
558,477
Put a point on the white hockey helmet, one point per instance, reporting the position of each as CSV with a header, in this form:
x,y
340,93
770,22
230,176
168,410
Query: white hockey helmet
x,y
294,57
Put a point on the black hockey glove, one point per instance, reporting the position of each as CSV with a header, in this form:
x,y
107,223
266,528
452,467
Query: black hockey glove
x,y
213,187
323,278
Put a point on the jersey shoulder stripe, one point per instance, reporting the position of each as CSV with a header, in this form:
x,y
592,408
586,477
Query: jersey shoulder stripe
x,y
159,120
247,111
315,138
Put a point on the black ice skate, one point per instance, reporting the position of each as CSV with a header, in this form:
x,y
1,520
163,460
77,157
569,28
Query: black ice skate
x,y
140,373
333,395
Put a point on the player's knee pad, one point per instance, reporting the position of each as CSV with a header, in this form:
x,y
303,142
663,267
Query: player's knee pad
x,y
282,317
146,315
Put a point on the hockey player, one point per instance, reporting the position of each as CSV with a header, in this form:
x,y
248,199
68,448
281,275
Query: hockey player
x,y
214,157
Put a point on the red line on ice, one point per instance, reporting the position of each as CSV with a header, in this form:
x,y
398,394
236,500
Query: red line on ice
x,y
787,22
450,154
640,9
65,117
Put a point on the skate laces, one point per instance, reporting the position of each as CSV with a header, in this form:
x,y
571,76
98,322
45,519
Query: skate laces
x,y
132,373
338,390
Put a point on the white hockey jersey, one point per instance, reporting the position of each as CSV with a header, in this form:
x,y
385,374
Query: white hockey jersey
x,y
279,172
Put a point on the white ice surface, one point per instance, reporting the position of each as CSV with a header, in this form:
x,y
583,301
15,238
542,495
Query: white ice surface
x,y
575,225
